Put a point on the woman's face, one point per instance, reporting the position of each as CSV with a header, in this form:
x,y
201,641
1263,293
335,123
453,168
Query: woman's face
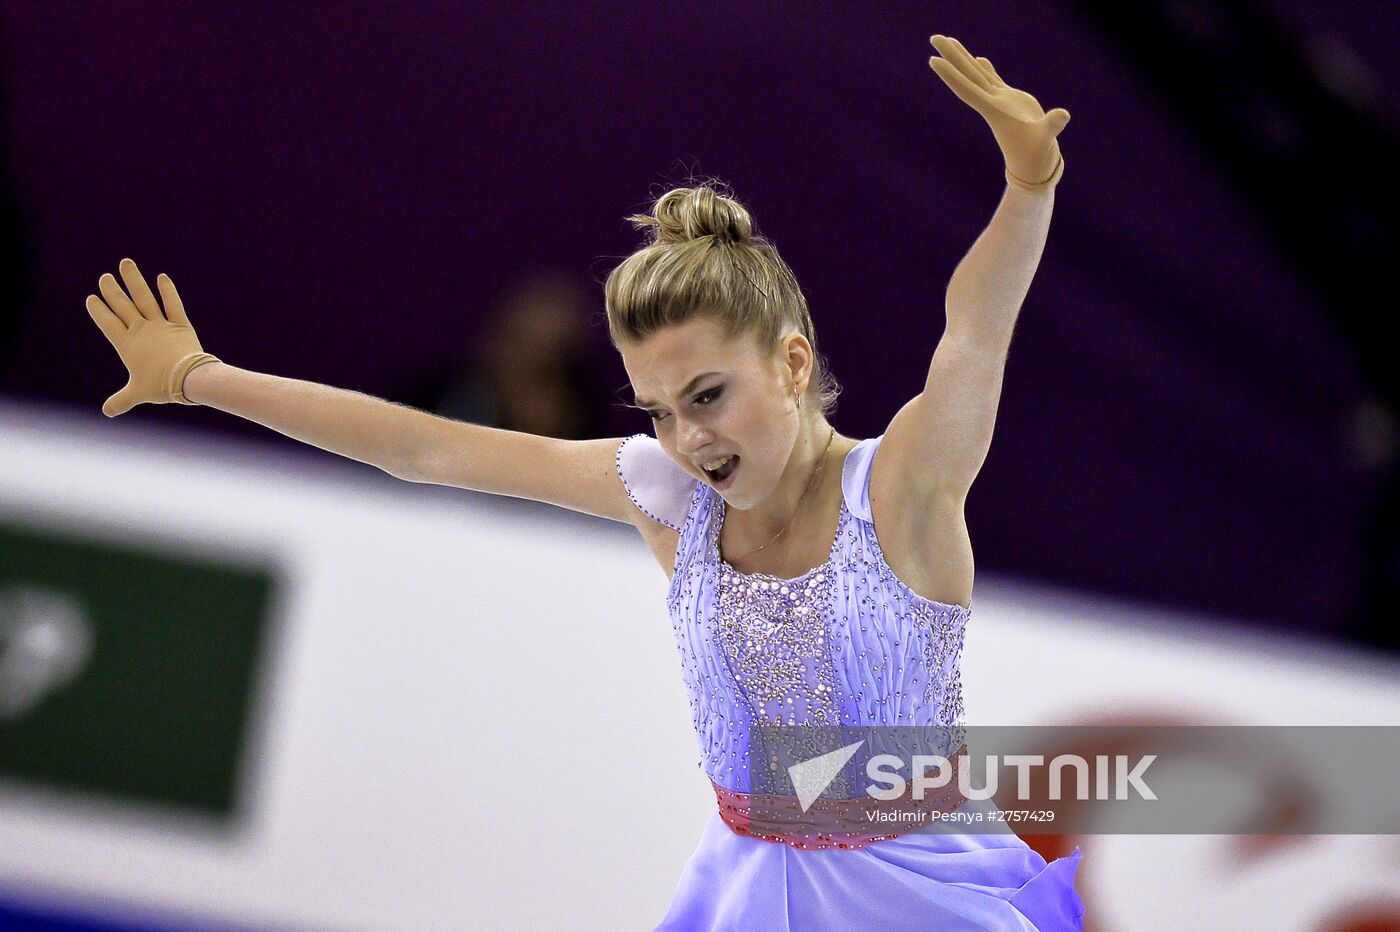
x,y
709,397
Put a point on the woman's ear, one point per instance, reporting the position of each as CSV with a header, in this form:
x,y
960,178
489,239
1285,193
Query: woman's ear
x,y
798,358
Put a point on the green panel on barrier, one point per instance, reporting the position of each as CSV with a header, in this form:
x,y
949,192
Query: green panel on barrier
x,y
126,671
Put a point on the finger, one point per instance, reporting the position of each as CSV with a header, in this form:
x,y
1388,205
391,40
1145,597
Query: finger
x,y
952,50
967,92
140,292
110,324
120,403
174,307
986,64
117,300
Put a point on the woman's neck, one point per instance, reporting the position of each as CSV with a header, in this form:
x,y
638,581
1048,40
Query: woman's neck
x,y
810,470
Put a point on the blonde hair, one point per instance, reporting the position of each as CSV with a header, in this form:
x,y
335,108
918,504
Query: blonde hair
x,y
703,256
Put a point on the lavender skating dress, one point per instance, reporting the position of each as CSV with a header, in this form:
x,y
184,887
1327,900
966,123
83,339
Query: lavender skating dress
x,y
846,643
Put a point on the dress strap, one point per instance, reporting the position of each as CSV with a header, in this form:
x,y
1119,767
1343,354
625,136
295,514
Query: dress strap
x,y
855,477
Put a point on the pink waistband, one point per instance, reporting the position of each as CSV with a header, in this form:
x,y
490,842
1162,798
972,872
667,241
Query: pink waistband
x,y
833,823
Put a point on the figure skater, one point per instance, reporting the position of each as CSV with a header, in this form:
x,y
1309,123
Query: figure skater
x,y
812,581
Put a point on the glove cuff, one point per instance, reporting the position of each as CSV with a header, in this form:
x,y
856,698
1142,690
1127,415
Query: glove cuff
x,y
176,388
1038,185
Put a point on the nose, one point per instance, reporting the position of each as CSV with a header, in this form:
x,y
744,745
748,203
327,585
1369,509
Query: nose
x,y
691,438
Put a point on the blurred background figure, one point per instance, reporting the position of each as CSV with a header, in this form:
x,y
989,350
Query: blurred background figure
x,y
532,368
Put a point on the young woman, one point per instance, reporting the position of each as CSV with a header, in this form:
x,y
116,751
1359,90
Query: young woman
x,y
813,582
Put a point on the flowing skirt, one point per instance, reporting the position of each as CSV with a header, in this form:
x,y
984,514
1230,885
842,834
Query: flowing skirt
x,y
942,880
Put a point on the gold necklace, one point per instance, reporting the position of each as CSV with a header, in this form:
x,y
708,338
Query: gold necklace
x,y
821,464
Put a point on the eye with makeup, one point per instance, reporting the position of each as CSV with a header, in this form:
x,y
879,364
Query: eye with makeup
x,y
705,398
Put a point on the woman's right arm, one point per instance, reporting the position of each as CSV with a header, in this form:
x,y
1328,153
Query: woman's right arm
x,y
371,430
166,364
422,447
580,475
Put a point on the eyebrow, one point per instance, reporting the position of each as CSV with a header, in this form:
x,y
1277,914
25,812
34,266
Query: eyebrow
x,y
685,391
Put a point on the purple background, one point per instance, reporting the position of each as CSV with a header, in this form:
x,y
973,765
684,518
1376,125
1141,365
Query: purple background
x,y
341,190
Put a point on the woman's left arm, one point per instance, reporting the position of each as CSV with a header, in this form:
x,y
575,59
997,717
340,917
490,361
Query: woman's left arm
x,y
940,439
990,283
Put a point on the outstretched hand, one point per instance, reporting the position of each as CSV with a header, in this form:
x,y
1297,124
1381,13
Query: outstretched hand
x,y
1025,132
159,348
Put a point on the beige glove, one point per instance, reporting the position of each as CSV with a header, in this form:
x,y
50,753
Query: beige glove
x,y
1025,132
159,349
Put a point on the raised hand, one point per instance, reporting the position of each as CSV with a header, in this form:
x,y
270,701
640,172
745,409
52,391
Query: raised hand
x,y
159,348
1025,132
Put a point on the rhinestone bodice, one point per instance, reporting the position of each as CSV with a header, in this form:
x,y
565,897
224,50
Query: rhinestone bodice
x,y
846,643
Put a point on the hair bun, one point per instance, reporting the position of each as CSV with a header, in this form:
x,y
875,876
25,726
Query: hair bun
x,y
683,214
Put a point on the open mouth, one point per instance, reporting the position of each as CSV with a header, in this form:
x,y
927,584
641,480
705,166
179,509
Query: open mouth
x,y
720,477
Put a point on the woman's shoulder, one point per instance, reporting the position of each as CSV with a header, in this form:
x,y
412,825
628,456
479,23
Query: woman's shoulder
x,y
655,482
